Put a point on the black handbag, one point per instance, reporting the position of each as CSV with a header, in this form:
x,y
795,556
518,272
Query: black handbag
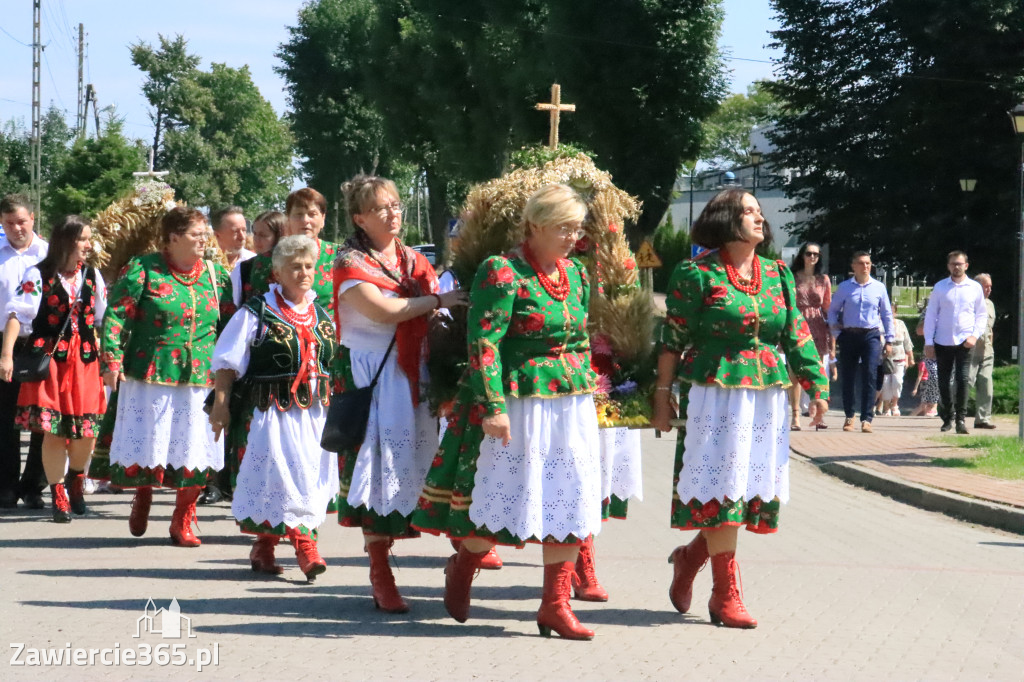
x,y
30,367
348,414
888,366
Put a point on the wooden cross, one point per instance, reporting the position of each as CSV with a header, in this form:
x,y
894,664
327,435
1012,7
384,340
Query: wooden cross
x,y
150,173
555,108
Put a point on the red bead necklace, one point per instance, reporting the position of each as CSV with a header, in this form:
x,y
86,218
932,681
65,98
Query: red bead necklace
x,y
559,291
185,277
751,287
293,318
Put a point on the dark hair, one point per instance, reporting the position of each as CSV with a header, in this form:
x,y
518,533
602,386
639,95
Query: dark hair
x,y
178,220
275,220
859,254
62,243
12,202
305,197
721,221
798,260
954,254
224,213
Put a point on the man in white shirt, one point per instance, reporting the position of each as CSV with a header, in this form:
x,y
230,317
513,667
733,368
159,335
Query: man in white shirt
x,y
230,228
954,321
20,249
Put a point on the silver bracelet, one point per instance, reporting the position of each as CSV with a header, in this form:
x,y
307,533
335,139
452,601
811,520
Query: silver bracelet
x,y
662,388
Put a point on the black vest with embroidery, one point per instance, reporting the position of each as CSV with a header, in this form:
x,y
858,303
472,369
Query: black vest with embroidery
x,y
275,355
54,310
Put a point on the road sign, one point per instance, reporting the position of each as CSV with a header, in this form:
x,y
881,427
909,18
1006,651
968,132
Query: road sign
x,y
646,257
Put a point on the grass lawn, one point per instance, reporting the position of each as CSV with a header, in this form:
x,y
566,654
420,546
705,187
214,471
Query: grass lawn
x,y
1001,456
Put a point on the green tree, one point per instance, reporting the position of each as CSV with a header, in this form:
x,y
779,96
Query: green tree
x,y
55,138
165,69
15,173
727,132
97,171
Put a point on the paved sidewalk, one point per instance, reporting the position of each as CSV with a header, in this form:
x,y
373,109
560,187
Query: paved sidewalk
x,y
900,450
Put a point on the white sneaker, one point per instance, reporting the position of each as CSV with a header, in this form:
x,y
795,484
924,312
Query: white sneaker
x,y
895,411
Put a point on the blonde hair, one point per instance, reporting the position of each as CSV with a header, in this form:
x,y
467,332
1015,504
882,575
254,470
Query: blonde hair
x,y
361,190
553,205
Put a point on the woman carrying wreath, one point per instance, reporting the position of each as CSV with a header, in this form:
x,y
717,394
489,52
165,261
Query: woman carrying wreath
x,y
282,344
520,460
729,315
58,306
161,323
384,291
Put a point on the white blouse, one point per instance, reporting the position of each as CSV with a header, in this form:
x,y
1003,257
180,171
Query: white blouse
x,y
358,332
25,306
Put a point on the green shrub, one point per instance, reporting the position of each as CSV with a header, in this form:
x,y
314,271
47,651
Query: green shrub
x,y
1004,389
672,246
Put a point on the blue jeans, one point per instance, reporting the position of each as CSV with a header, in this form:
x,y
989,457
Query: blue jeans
x,y
859,354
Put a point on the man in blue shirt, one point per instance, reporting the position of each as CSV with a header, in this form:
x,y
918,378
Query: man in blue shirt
x,y
860,308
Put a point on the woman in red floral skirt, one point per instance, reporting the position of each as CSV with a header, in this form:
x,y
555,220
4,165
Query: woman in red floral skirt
x,y
68,403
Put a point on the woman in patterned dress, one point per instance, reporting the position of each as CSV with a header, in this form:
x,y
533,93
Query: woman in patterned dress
x,y
384,292
729,315
520,461
813,297
162,319
282,344
66,405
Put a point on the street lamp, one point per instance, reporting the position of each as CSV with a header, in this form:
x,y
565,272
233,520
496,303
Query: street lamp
x,y
755,160
1017,117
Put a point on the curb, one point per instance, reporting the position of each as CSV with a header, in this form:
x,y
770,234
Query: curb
x,y
960,507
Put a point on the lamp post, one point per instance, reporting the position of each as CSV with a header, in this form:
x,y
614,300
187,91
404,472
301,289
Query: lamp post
x,y
1017,117
755,160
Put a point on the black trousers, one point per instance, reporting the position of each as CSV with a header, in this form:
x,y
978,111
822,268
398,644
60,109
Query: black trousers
x,y
954,362
12,479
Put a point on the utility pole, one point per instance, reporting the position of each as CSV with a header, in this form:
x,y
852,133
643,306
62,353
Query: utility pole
x,y
36,151
90,96
80,121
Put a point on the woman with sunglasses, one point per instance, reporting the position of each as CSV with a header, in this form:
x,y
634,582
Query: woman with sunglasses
x,y
813,297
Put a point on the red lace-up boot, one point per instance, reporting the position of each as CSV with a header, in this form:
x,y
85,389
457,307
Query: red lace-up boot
x,y
184,516
385,592
261,556
584,580
74,482
61,506
458,582
555,613
490,562
726,605
687,561
138,520
307,554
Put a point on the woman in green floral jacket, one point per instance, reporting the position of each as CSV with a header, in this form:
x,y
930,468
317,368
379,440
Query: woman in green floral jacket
x,y
161,323
729,314
520,459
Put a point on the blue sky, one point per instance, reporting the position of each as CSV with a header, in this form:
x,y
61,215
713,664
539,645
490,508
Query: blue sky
x,y
235,32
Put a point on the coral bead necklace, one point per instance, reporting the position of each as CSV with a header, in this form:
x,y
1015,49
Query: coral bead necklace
x,y
559,291
304,319
185,277
750,286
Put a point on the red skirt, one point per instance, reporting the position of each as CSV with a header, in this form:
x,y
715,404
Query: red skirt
x,y
69,402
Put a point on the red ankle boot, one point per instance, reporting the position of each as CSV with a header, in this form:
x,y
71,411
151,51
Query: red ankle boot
x,y
307,554
726,606
138,520
687,561
555,613
61,506
261,556
74,482
490,562
184,516
458,582
385,592
584,579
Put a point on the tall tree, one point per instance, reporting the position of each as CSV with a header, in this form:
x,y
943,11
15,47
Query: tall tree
x,y
886,104
15,170
97,171
55,138
727,131
165,68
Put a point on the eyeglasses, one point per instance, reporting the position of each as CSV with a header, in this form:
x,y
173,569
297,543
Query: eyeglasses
x,y
382,211
812,254
959,265
570,231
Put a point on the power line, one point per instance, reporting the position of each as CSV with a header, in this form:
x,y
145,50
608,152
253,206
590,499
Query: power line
x,y
54,82
13,38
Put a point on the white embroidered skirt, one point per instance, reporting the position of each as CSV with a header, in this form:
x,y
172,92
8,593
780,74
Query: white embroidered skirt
x,y
401,440
164,426
737,445
547,480
285,476
620,464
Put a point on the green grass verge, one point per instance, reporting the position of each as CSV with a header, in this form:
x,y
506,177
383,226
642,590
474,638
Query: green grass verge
x,y
1002,456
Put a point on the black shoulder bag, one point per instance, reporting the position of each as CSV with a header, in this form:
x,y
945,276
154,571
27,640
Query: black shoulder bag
x,y
349,413
30,367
